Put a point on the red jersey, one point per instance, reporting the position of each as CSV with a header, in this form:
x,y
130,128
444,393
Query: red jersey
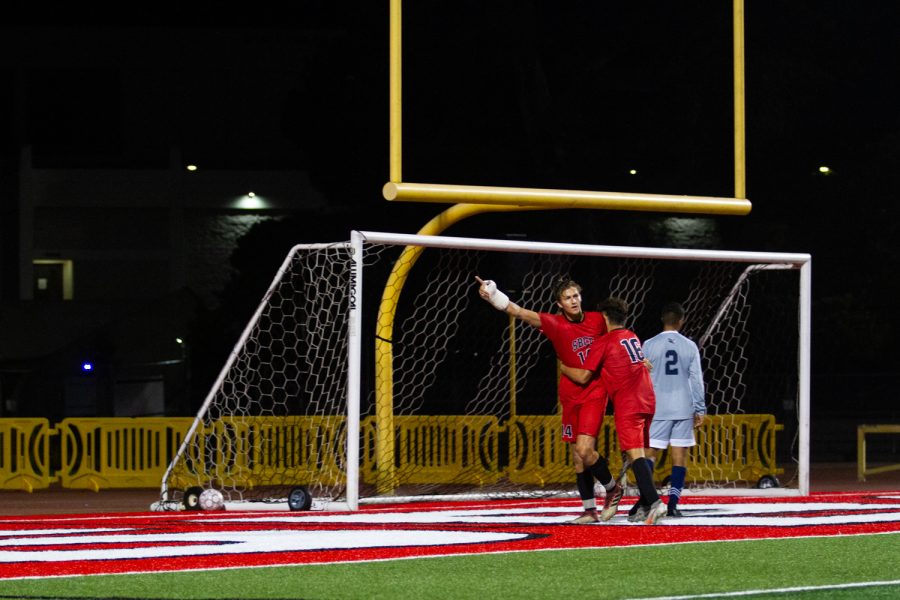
x,y
573,342
619,357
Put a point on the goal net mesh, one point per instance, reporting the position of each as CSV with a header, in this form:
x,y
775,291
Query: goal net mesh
x,y
458,398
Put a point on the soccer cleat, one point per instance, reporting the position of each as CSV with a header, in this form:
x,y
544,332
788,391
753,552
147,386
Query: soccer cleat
x,y
639,515
673,511
611,504
588,516
656,513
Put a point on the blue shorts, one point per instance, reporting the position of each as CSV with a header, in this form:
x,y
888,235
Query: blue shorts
x,y
678,433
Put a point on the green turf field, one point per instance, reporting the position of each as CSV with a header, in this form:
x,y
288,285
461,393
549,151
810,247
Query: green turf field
x,y
636,572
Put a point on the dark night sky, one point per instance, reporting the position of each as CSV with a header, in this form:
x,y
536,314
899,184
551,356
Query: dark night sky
x,y
506,92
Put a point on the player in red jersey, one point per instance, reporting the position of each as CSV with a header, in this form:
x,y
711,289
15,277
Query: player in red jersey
x,y
618,359
573,334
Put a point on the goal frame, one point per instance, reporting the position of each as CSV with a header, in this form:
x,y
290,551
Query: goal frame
x,y
801,261
415,244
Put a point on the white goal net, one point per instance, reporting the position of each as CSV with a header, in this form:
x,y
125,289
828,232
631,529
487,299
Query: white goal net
x,y
371,370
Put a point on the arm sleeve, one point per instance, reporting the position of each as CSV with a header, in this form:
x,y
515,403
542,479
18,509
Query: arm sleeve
x,y
695,374
548,325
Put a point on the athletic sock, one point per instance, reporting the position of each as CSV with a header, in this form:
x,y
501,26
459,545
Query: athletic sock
x,y
585,483
644,477
676,484
600,471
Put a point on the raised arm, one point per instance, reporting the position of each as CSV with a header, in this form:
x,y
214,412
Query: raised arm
x,y
489,292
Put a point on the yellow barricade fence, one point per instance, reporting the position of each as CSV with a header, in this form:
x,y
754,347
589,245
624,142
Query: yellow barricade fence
x,y
861,431
118,452
539,456
25,454
729,448
97,453
262,451
438,449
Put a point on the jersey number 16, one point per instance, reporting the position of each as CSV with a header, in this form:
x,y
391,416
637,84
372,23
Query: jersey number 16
x,y
633,348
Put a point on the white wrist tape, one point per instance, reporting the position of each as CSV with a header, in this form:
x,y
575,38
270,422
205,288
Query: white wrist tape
x,y
498,299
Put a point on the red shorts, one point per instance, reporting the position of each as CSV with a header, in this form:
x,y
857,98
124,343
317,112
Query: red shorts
x,y
582,419
633,430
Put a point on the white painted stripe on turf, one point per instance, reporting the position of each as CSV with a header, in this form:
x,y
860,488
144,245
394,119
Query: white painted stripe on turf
x,y
81,531
790,590
786,514
151,545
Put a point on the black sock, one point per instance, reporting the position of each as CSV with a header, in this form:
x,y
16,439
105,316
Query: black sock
x,y
585,482
644,477
637,505
600,471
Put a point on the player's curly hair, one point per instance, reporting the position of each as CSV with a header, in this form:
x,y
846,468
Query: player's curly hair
x,y
615,309
563,283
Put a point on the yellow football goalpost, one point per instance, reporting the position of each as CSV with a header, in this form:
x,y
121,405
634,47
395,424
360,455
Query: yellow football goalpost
x,y
472,200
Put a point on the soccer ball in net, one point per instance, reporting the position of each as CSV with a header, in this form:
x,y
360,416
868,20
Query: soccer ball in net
x,y
211,499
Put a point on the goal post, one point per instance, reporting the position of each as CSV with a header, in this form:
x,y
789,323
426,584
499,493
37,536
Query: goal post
x,y
371,371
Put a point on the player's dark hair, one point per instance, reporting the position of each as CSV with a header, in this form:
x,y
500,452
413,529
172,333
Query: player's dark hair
x,y
672,313
615,310
562,284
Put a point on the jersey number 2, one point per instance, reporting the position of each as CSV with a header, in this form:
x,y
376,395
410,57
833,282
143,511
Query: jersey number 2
x,y
671,362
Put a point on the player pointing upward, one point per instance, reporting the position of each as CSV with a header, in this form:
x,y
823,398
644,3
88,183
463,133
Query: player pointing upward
x,y
572,334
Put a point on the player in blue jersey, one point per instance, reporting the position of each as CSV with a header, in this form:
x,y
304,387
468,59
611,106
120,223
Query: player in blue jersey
x,y
680,407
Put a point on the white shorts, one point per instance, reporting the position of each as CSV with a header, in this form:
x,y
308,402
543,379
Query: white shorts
x,y
678,433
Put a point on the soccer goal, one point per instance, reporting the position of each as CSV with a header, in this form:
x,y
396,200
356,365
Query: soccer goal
x,y
372,371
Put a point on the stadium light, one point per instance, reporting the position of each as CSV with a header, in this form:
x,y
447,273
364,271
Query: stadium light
x,y
250,201
87,366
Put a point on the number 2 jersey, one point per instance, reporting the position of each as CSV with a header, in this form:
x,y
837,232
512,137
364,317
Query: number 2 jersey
x,y
619,357
677,377
573,343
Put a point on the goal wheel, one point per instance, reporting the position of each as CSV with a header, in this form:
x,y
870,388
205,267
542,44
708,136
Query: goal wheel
x,y
191,498
299,499
768,481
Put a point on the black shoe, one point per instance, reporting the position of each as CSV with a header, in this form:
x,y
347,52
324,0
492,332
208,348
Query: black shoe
x,y
673,511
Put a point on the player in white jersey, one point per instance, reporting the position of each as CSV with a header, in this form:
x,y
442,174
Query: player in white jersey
x,y
680,406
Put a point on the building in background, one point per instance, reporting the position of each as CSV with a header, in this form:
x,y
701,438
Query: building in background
x,y
113,265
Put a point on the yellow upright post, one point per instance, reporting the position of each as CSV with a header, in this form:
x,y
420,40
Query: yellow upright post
x,y
740,158
396,89
384,353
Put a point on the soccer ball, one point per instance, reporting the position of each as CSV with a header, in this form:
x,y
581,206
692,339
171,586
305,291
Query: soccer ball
x,y
211,499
